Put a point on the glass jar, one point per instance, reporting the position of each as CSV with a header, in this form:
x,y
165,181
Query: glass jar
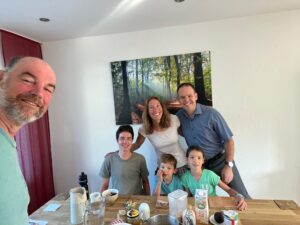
x,y
133,217
122,215
94,213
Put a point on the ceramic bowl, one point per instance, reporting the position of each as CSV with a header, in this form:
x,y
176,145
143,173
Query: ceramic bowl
x,y
110,195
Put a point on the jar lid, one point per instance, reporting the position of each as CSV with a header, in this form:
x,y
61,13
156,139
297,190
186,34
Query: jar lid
x,y
178,194
122,212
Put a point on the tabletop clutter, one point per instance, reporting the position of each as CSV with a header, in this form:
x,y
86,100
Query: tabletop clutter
x,y
92,211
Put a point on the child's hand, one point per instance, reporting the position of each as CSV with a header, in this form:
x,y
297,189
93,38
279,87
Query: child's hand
x,y
241,204
159,175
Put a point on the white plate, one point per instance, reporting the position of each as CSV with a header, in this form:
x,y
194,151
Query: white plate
x,y
212,220
123,224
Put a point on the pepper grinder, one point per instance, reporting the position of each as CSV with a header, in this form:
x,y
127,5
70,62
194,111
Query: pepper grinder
x,y
83,182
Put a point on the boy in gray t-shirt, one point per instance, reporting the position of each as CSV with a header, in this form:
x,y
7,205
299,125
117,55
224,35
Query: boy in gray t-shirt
x,y
128,171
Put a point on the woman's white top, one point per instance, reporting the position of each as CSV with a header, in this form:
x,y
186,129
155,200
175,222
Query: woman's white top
x,y
167,141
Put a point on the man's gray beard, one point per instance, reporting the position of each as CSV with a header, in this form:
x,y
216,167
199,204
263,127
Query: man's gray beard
x,y
12,111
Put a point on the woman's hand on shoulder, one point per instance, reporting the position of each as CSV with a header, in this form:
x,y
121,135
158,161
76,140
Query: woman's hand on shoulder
x,y
139,141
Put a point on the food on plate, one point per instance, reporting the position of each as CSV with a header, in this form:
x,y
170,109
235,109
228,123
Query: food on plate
x,y
130,205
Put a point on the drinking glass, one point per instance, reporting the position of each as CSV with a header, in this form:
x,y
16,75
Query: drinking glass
x,y
94,213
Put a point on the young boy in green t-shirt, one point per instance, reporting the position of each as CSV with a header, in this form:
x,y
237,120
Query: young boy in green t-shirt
x,y
196,177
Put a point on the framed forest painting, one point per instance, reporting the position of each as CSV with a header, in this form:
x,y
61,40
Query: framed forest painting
x,y
136,80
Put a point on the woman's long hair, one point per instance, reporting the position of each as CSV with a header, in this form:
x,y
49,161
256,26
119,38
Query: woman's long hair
x,y
165,121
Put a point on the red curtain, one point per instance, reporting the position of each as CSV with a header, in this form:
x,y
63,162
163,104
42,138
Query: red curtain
x,y
33,140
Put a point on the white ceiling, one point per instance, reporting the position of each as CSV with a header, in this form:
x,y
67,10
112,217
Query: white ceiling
x,y
81,18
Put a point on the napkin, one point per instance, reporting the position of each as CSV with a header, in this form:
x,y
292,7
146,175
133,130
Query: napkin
x,y
52,207
37,222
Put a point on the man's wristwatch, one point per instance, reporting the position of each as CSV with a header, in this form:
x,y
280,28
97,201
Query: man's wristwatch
x,y
229,163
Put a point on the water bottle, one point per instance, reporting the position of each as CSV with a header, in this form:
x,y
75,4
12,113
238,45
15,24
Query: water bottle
x,y
83,182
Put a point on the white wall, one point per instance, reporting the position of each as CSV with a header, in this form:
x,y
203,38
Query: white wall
x,y
255,78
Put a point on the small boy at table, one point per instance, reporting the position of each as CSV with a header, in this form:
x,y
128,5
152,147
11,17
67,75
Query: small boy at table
x,y
167,181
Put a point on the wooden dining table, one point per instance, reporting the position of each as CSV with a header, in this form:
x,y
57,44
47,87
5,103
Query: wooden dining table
x,y
258,212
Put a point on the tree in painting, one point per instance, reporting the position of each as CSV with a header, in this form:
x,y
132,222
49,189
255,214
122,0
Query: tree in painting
x,y
136,80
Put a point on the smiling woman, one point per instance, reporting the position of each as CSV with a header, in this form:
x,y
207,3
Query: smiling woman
x,y
161,128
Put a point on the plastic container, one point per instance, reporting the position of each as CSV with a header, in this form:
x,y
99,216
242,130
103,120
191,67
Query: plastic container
x,y
177,203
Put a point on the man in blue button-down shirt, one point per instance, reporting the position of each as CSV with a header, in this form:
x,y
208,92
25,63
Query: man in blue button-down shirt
x,y
205,127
